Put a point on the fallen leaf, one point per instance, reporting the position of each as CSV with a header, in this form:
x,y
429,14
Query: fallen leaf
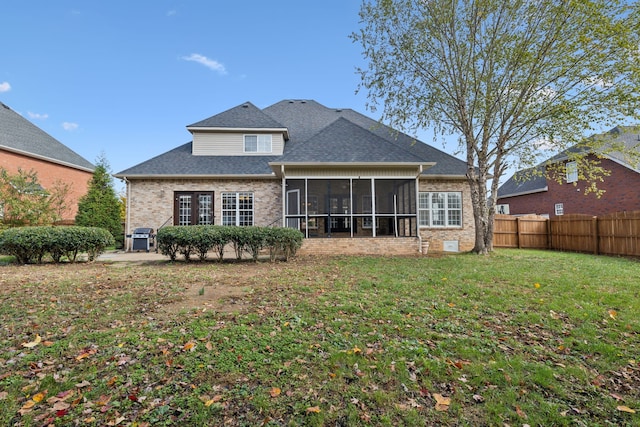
x,y
613,314
38,397
626,409
478,398
313,409
103,400
83,384
275,392
189,346
442,402
33,343
28,405
214,399
520,412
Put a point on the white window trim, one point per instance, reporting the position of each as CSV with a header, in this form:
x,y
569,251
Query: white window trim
x,y
559,209
237,209
502,209
571,169
264,141
446,209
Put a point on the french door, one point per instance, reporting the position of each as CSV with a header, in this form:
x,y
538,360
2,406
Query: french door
x,y
193,208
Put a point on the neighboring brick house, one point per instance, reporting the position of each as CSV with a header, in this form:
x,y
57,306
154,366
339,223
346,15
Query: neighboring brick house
x,y
347,182
25,146
547,197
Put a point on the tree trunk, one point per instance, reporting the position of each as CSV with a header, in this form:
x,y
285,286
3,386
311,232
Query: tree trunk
x,y
484,227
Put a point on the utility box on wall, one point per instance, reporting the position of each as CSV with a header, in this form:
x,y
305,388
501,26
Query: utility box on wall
x,y
450,246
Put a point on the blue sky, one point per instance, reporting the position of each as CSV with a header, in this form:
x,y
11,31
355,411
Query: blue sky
x,y
125,78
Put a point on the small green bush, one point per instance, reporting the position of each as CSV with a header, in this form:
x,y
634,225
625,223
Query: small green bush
x,y
190,240
31,244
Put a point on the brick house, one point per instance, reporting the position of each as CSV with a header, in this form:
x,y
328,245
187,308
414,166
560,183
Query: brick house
x,y
547,197
25,146
350,184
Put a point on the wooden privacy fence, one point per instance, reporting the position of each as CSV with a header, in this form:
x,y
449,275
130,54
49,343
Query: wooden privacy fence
x,y
614,234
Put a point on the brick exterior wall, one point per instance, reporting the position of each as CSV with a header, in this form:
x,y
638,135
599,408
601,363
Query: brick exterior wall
x,y
622,193
465,235
151,204
361,246
48,174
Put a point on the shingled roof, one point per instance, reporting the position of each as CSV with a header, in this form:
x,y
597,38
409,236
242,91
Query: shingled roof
x,y
316,134
19,135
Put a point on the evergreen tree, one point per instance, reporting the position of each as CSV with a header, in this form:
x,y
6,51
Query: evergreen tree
x,y
100,207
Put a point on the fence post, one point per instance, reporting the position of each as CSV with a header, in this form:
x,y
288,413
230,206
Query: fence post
x,y
596,235
518,232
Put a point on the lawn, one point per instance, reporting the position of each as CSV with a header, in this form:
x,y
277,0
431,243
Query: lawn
x,y
516,338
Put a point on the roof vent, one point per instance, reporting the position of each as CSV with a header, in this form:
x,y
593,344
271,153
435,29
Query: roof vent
x,y
5,106
303,101
245,105
338,110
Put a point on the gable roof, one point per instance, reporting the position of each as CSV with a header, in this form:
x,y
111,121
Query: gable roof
x,y
314,133
19,135
244,116
626,137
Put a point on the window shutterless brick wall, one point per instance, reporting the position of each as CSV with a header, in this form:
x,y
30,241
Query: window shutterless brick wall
x,y
621,194
48,175
151,201
151,205
465,235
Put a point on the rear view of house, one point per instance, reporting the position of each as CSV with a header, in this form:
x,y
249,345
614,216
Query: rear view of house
x,y
25,146
336,175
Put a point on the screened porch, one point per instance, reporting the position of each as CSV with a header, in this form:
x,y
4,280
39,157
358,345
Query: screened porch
x,y
351,207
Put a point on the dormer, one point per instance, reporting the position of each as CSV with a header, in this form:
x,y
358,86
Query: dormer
x,y
241,131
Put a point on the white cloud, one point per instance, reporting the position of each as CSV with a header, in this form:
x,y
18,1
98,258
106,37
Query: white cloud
x,y
171,13
209,63
5,87
69,126
37,115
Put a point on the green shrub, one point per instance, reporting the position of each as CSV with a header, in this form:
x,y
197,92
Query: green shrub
x,y
31,244
201,239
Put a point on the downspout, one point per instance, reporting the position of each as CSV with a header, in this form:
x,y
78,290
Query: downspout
x,y
284,196
420,169
128,215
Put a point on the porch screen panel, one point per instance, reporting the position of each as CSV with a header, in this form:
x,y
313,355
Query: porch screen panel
x,y
395,196
362,200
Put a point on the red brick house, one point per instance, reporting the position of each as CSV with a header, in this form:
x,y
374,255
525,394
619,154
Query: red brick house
x,y
25,146
546,197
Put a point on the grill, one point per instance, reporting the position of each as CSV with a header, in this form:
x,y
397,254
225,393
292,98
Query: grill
x,y
143,239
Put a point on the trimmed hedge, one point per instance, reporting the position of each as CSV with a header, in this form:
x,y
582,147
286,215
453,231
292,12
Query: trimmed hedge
x,y
31,244
199,240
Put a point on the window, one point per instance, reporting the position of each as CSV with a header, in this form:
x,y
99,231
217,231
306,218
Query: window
x,y
502,209
559,208
440,209
193,208
257,143
237,208
572,171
